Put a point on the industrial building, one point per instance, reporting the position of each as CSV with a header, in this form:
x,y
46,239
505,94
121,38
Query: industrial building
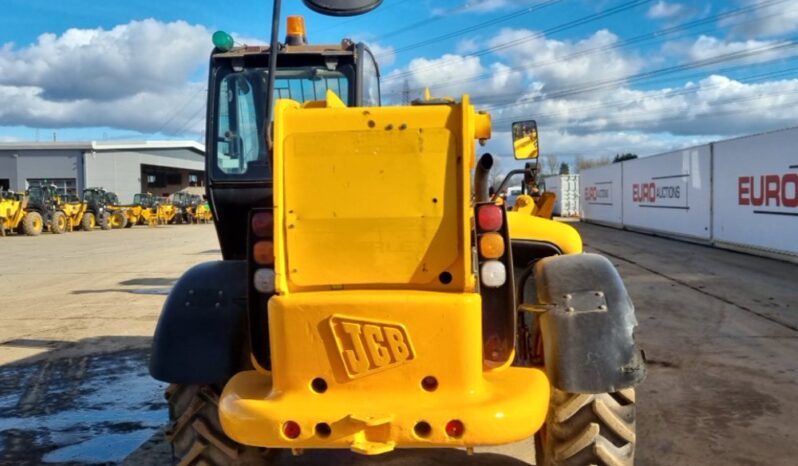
x,y
126,168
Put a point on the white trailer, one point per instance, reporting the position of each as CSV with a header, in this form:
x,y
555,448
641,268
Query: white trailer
x,y
669,193
601,189
755,193
566,188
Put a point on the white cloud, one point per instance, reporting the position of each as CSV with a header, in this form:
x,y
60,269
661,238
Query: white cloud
x,y
663,9
451,75
384,55
768,20
98,64
467,45
558,64
706,47
716,105
182,108
484,6
135,76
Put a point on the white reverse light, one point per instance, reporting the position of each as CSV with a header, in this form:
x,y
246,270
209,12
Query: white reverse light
x,y
264,281
493,274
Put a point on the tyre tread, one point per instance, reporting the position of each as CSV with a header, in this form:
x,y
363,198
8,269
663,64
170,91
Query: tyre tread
x,y
196,434
584,429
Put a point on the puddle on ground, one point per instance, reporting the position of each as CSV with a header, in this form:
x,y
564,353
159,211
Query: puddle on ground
x,y
89,410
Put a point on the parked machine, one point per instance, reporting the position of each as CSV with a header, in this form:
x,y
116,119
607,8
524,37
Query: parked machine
x,y
185,207
102,209
150,210
371,297
12,214
46,207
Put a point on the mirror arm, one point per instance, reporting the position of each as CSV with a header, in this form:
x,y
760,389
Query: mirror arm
x,y
506,180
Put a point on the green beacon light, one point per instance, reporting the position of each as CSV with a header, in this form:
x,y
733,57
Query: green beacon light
x,y
222,41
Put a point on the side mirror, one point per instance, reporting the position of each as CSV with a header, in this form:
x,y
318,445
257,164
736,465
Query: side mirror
x,y
525,140
342,7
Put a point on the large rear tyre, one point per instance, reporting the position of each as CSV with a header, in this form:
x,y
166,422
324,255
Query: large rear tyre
x,y
118,220
32,224
105,221
58,224
196,435
584,430
88,222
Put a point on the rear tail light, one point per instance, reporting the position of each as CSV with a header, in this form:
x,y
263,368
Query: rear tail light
x,y
489,217
491,246
455,428
263,224
497,289
291,430
493,274
263,280
263,252
261,287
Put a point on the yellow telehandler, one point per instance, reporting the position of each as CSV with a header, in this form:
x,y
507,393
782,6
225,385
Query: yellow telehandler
x,y
371,297
12,214
46,208
149,210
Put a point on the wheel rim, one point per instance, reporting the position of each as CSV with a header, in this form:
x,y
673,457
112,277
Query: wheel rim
x,y
37,224
61,223
92,223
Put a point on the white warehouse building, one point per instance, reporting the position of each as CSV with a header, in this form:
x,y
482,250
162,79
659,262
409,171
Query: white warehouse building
x,y
126,168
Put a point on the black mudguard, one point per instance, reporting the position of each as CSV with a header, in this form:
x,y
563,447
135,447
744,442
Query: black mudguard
x,y
588,327
201,334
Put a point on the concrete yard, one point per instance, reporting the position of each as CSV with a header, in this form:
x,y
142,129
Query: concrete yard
x,y
720,331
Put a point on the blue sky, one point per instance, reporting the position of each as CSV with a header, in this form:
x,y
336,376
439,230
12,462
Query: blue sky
x,y
601,77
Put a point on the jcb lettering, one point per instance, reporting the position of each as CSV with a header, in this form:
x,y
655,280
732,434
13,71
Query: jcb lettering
x,y
397,343
356,357
379,353
369,346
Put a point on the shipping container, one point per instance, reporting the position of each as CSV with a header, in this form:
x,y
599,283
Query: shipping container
x,y
566,188
755,193
669,193
601,190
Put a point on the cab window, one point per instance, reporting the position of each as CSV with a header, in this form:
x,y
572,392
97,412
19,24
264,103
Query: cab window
x,y
371,80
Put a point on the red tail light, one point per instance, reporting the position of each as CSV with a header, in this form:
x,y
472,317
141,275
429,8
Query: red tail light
x,y
455,428
263,224
489,217
291,430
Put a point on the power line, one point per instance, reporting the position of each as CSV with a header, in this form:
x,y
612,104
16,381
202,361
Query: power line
x,y
625,43
475,27
514,43
676,93
177,112
192,120
594,86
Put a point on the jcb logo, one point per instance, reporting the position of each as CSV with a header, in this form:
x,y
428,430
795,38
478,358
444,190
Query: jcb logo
x,y
367,346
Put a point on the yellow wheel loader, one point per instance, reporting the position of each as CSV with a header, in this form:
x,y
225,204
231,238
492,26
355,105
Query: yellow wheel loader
x,y
371,297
